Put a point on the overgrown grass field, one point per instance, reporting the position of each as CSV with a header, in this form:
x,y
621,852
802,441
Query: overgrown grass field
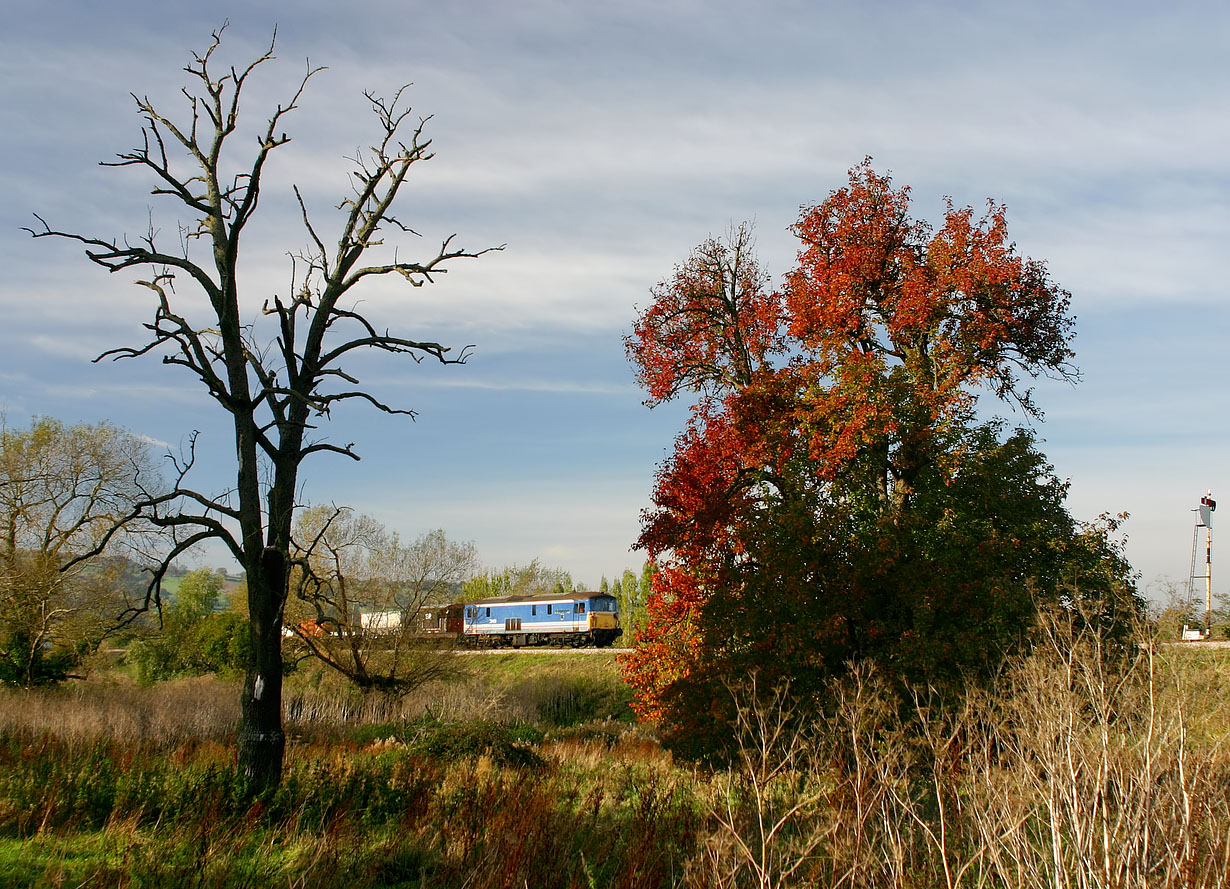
x,y
1076,769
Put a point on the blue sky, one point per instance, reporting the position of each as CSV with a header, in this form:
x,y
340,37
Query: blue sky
x,y
600,143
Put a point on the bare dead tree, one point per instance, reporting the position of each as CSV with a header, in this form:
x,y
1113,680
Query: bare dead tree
x,y
273,387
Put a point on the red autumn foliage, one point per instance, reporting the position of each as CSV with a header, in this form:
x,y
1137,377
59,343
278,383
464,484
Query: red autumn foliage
x,y
710,327
900,327
820,405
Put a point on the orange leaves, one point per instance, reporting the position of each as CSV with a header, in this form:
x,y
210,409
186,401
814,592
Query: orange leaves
x,y
840,392
711,327
901,327
959,308
698,490
858,251
670,646
1002,313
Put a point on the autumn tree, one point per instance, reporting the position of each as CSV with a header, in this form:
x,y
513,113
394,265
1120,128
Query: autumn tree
x,y
362,596
276,364
62,489
712,327
833,496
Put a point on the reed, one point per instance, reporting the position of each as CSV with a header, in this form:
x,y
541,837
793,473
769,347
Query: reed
x,y
1085,765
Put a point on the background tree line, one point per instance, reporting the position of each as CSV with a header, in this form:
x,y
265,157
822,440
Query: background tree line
x,y
632,591
359,591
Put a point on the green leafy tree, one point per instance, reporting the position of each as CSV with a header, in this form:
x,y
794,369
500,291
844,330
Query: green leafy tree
x,y
519,580
646,584
195,636
632,595
198,596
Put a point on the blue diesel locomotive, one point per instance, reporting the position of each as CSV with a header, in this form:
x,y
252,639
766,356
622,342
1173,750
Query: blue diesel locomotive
x,y
577,620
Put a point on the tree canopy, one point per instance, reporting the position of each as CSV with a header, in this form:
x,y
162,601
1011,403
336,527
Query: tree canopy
x,y
833,496
532,578
194,637
63,489
360,594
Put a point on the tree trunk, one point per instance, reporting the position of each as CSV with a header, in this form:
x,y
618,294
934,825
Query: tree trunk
x,y
262,743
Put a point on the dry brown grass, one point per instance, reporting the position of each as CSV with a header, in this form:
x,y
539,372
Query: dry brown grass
x,y
316,703
164,715
1083,768
627,746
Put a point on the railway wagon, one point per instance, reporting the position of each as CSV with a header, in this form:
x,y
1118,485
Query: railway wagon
x,y
568,619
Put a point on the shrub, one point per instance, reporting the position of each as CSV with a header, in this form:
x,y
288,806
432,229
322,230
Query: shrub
x,y
505,744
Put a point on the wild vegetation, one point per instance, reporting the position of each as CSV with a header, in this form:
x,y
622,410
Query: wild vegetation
x,y
62,491
1086,763
277,365
349,569
195,634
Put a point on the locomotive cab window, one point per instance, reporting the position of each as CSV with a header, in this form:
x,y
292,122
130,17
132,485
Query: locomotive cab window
x,y
548,609
580,608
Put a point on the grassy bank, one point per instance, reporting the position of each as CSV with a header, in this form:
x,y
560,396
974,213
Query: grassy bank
x,y
351,815
526,769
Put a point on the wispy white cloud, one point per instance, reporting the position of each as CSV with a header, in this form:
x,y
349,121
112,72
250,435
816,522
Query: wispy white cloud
x,y
548,386
156,442
33,389
601,142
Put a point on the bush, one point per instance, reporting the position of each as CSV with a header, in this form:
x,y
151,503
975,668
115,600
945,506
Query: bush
x,y
194,639
506,744
23,664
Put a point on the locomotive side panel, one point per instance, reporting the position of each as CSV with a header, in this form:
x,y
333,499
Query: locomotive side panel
x,y
542,620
